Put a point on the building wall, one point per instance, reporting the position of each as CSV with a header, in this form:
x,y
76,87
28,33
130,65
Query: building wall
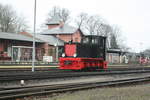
x,y
65,37
47,51
52,52
52,26
76,37
113,58
1,46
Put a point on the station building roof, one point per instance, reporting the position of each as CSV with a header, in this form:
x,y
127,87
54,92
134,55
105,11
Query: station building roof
x,y
114,50
17,36
55,20
65,29
51,40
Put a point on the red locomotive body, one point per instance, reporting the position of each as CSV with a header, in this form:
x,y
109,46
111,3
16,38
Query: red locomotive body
x,y
89,54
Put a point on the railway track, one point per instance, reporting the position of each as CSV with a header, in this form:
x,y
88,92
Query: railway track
x,y
18,92
63,74
27,69
54,68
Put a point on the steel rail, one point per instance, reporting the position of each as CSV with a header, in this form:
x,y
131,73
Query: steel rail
x,y
57,69
48,75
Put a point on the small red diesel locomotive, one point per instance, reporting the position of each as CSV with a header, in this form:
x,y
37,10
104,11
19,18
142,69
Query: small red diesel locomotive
x,y
89,54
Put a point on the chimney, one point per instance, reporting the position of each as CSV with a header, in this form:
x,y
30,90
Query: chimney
x,y
61,24
25,33
50,26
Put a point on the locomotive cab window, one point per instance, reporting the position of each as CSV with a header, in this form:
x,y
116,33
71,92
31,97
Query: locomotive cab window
x,y
94,41
85,40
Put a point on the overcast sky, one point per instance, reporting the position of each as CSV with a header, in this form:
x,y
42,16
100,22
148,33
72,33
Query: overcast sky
x,y
133,16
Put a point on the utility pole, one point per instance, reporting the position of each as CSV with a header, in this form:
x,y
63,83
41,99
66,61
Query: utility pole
x,y
33,53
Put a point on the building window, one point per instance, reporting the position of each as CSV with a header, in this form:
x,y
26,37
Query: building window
x,y
5,48
51,52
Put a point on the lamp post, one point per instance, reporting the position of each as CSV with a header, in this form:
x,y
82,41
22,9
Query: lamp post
x,y
56,46
33,53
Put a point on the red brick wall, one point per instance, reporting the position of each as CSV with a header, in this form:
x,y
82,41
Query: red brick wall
x,y
52,26
65,37
52,52
76,37
1,47
48,50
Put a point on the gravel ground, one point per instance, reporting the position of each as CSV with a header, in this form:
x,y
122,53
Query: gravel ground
x,y
70,80
138,92
56,81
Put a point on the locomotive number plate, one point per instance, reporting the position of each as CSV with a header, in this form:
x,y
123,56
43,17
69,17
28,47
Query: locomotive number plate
x,y
68,62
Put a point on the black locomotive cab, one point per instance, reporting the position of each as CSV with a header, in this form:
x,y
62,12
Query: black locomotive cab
x,y
96,46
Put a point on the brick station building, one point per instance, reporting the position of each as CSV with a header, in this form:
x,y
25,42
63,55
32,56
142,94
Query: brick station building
x,y
18,47
11,43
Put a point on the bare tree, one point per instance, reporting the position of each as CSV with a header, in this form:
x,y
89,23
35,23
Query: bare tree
x,y
113,42
81,20
116,40
21,25
94,25
63,13
9,20
105,29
